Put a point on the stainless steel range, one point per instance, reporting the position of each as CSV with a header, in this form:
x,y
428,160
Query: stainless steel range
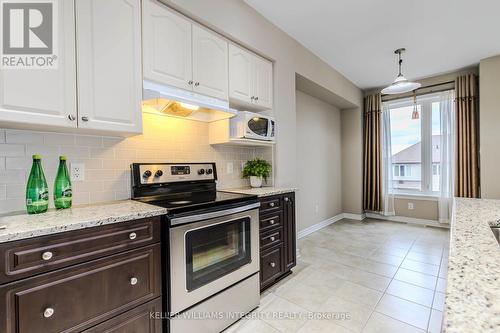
x,y
211,244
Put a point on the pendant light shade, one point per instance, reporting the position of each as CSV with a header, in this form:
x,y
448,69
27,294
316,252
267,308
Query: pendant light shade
x,y
401,84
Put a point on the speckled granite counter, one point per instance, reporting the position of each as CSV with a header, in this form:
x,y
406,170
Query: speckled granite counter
x,y
54,221
473,287
261,191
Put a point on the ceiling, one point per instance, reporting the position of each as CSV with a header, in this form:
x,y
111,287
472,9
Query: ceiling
x,y
358,37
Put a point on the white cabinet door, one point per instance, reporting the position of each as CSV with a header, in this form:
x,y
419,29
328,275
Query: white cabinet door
x,y
167,46
263,83
44,97
108,35
210,63
240,74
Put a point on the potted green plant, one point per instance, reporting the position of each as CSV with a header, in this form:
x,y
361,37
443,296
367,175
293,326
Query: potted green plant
x,y
257,169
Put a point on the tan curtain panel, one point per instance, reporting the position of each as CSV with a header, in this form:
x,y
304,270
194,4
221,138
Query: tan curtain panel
x,y
467,123
372,171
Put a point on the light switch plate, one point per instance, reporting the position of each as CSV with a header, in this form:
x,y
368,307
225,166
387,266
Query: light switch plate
x,y
229,167
77,173
411,206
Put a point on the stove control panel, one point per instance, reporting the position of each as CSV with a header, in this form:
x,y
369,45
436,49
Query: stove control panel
x,y
171,173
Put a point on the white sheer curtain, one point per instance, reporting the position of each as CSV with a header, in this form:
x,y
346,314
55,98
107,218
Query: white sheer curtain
x,y
387,183
447,182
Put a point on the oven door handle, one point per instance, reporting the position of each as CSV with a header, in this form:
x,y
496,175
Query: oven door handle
x,y
211,215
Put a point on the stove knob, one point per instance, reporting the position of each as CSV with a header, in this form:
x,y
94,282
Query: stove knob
x,y
209,171
147,174
201,171
158,173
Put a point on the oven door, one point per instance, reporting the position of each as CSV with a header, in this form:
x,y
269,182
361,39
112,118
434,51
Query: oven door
x,y
210,253
258,128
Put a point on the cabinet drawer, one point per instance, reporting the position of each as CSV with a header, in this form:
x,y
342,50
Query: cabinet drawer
x,y
270,204
271,265
271,238
42,254
269,222
78,297
137,320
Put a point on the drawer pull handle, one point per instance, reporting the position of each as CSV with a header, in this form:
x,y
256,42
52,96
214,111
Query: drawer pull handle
x,y
272,204
272,239
272,222
48,312
132,235
47,255
272,264
133,281
287,199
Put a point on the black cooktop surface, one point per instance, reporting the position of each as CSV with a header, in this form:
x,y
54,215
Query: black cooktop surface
x,y
191,201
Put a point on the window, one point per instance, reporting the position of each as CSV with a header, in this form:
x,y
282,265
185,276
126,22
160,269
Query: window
x,y
415,145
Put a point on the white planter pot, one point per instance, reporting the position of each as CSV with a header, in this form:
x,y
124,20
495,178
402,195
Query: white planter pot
x,y
255,181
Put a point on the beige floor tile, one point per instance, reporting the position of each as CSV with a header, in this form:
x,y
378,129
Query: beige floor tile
x,y
411,292
359,294
358,313
251,326
386,258
393,251
405,311
322,326
379,268
438,303
379,323
370,280
435,322
425,258
441,285
416,278
420,267
428,250
284,315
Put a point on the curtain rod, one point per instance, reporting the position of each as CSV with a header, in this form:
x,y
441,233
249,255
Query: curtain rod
x,y
409,94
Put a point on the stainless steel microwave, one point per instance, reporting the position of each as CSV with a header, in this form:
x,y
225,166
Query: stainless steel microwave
x,y
250,125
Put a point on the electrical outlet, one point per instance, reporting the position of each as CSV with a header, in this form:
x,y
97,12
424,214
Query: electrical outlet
x,y
229,167
411,206
77,172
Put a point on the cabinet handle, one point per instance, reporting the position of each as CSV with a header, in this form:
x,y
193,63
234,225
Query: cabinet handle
x,y
133,281
272,264
71,117
256,98
272,239
272,204
47,255
48,312
272,222
287,199
252,98
197,84
190,82
132,235
85,118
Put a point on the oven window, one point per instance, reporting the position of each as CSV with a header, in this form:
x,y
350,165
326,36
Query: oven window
x,y
215,251
258,126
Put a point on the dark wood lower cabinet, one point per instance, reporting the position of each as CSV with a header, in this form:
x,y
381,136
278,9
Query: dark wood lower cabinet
x,y
277,238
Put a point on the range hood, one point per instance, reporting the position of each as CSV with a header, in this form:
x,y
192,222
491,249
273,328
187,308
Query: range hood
x,y
169,101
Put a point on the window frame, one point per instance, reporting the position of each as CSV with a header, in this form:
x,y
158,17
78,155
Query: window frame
x,y
426,173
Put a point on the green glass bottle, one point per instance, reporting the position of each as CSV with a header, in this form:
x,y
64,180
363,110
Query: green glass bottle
x,y
63,194
37,191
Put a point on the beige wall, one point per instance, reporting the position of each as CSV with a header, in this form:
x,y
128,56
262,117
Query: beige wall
x,y
242,24
319,166
422,208
107,159
489,129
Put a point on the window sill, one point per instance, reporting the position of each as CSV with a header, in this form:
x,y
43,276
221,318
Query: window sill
x,y
417,196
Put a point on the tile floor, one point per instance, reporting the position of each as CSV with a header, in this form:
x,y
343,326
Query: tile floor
x,y
370,276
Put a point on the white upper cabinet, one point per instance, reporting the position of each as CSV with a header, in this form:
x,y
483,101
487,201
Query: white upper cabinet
x,y
240,74
108,35
167,46
44,97
210,63
250,80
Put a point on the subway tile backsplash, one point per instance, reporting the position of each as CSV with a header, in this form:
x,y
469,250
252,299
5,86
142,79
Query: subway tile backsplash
x,y
107,159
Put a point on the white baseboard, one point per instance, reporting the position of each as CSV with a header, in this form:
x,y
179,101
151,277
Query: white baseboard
x,y
357,217
404,219
320,225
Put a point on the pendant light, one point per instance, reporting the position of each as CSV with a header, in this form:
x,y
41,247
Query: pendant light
x,y
415,115
401,84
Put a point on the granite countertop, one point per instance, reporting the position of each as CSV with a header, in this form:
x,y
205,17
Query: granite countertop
x,y
264,191
473,286
23,226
